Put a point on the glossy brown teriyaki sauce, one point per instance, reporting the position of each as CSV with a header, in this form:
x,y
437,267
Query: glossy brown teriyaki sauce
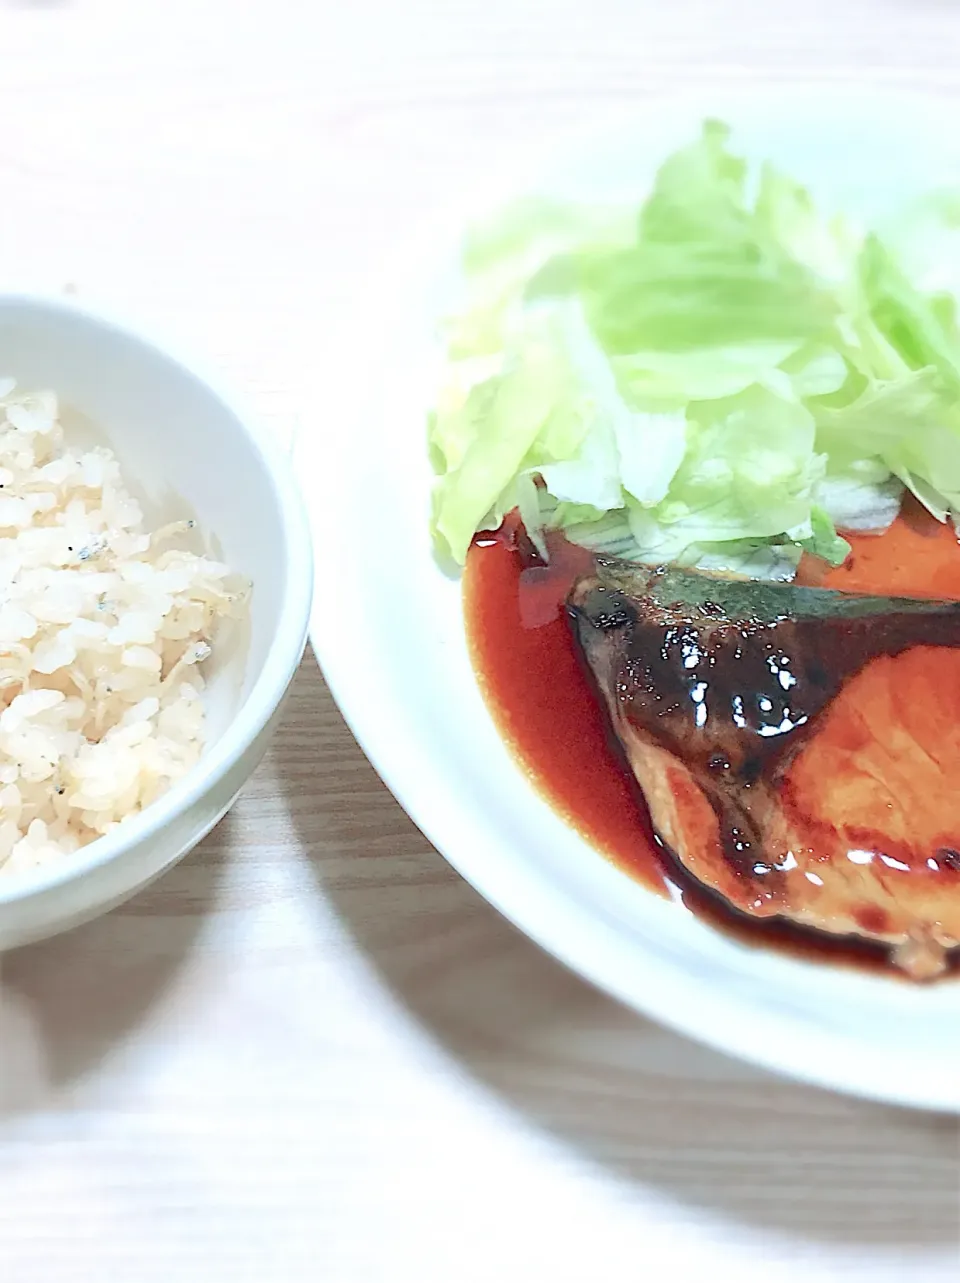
x,y
542,698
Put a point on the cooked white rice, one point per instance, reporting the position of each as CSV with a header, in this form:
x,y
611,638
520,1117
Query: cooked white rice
x,y
103,629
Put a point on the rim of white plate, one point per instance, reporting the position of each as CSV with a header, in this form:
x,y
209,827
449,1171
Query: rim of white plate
x,y
403,745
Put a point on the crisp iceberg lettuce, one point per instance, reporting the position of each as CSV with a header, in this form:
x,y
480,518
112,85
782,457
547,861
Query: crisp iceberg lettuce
x,y
724,377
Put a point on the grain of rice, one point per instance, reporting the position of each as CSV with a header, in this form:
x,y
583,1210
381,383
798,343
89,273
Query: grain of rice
x,y
104,627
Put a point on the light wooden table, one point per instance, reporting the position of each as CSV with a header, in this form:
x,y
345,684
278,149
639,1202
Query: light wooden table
x,y
311,1052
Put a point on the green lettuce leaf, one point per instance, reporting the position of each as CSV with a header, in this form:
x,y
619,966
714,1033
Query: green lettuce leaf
x,y
727,376
921,328
912,426
501,256
823,540
749,470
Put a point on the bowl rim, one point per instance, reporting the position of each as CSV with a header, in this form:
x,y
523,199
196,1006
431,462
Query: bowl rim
x,y
286,646
555,923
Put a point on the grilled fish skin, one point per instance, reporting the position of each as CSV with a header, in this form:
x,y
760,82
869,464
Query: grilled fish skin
x,y
797,747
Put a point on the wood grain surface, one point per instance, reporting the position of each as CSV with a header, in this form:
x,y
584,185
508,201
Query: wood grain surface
x,y
311,1051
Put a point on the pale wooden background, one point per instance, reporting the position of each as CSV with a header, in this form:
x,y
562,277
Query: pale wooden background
x,y
311,1052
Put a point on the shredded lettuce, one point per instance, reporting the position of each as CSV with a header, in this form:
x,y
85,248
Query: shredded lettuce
x,y
725,377
823,540
862,498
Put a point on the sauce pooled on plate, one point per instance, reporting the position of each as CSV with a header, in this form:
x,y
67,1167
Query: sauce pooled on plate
x,y
767,783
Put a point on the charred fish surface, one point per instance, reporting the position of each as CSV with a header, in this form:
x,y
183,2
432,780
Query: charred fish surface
x,y
781,760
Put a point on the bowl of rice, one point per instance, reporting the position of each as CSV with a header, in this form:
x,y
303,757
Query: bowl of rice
x,y
155,585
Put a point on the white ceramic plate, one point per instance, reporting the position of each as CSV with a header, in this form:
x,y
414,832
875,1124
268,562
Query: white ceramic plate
x,y
388,629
